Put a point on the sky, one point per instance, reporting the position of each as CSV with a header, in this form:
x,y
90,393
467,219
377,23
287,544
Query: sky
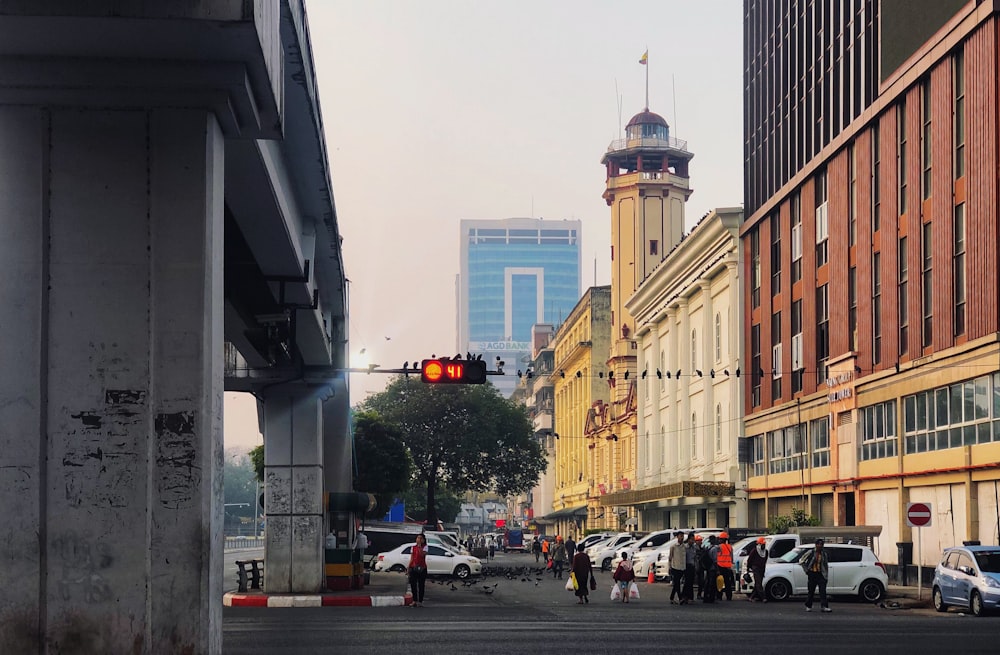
x,y
441,110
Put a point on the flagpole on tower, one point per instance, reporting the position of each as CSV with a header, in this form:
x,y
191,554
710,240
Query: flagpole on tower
x,y
645,62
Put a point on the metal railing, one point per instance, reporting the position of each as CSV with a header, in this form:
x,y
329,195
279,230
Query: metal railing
x,y
648,142
236,543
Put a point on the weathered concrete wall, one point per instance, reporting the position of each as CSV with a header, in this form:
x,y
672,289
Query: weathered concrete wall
x,y
111,411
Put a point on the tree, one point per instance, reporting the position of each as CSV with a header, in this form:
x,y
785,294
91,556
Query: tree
x,y
465,437
257,459
448,503
238,488
382,463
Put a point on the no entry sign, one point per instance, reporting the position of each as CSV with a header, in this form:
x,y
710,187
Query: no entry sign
x,y
918,515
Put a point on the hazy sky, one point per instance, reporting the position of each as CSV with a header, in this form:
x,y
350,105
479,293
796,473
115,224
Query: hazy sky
x,y
442,110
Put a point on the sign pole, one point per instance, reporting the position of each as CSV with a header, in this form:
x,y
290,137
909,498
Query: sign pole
x,y
920,575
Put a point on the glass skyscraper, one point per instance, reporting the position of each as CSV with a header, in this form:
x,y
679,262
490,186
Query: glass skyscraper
x,y
515,272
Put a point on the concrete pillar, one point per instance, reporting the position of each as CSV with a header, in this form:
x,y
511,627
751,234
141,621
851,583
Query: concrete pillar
x,y
111,270
655,463
293,487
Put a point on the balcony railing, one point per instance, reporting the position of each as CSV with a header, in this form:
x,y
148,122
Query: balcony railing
x,y
649,142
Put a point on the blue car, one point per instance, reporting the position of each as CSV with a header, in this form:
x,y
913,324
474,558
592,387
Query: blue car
x,y
968,577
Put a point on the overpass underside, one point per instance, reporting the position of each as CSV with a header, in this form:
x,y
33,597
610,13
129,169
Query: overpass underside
x,y
164,199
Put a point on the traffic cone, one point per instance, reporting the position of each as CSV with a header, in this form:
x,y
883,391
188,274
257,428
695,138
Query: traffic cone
x,y
650,579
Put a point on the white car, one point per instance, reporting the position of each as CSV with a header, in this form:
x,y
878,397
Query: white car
x,y
604,554
854,571
777,546
440,561
593,539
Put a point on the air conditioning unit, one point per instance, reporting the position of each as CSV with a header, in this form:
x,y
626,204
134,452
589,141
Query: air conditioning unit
x,y
796,242
776,360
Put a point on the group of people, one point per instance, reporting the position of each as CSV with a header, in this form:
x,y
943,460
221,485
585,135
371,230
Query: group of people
x,y
709,567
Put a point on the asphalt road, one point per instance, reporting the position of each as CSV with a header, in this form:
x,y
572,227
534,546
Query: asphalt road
x,y
527,615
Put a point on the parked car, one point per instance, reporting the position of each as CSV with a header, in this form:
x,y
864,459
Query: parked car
x,y
605,554
777,546
440,561
594,539
969,577
854,571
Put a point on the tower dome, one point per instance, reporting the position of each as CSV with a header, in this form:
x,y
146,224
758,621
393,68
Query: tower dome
x,y
647,125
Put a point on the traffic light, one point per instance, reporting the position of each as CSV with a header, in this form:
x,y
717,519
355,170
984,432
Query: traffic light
x,y
453,371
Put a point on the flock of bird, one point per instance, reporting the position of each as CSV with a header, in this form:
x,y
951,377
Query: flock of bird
x,y
512,573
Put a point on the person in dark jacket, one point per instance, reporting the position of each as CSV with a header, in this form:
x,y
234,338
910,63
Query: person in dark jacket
x,y
756,562
691,552
582,571
816,564
559,558
536,548
710,591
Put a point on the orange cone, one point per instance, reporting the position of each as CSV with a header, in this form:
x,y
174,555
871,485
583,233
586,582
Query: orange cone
x,y
650,579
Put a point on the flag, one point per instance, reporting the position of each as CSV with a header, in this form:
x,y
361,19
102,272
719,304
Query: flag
x,y
645,56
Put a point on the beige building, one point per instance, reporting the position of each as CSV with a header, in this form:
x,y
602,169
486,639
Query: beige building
x,y
687,315
581,345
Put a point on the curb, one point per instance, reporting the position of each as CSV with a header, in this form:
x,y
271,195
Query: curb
x,y
236,599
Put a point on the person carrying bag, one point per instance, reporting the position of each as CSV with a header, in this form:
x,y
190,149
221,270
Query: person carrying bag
x,y
623,576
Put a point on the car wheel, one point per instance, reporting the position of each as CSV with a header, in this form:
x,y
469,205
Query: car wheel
x,y
606,564
938,600
462,571
397,568
871,591
976,604
779,589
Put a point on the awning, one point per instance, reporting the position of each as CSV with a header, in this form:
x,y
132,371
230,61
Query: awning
x,y
567,512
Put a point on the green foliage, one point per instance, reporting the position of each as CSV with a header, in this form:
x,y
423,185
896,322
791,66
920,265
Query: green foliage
x,y
238,487
783,523
447,502
463,437
257,460
383,463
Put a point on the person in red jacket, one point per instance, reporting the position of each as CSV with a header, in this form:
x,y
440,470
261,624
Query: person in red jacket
x,y
624,575
417,570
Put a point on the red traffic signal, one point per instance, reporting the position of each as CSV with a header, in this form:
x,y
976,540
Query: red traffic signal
x,y
453,371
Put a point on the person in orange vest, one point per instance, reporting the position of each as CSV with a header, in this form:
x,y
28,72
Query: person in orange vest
x,y
724,563
545,550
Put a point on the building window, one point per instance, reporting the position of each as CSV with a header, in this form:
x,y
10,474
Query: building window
x,y
901,155
718,337
958,268
876,308
822,220
694,437
654,247
758,458
819,434
755,365
786,449
694,351
928,289
798,363
718,428
958,75
903,313
961,414
878,431
755,268
822,331
925,138
776,356
852,218
852,306
876,178
796,238
775,254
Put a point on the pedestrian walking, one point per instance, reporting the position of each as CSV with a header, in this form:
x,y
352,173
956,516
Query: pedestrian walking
x,y
816,564
545,550
536,548
623,576
756,563
559,558
493,548
691,552
570,547
724,562
677,561
417,570
583,573
710,592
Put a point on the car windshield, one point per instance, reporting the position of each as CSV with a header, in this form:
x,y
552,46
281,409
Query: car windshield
x,y
989,561
792,555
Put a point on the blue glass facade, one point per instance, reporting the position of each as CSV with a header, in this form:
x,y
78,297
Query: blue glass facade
x,y
515,273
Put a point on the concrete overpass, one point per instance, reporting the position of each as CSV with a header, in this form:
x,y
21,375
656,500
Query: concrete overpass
x,y
167,232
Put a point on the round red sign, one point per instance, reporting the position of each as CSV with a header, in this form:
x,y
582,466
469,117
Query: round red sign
x,y
918,514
